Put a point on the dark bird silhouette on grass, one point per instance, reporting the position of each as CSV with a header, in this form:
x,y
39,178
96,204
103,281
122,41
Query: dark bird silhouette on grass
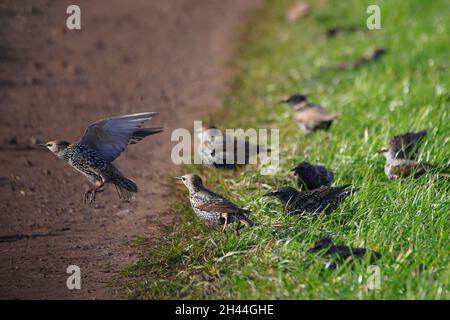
x,y
213,207
309,116
312,176
102,142
325,199
372,55
341,252
334,31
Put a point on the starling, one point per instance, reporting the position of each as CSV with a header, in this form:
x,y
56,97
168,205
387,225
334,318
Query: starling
x,y
334,31
312,176
400,153
308,116
213,144
102,142
373,54
324,199
326,247
213,207
403,146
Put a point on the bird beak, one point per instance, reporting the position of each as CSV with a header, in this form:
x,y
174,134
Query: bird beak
x,y
268,194
177,178
282,101
41,145
383,150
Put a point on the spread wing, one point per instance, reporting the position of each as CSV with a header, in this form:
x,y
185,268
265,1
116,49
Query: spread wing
x,y
111,136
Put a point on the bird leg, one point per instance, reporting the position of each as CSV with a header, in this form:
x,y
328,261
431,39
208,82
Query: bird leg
x,y
225,224
238,227
90,194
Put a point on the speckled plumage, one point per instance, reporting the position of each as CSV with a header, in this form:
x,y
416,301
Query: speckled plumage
x,y
87,161
325,199
213,207
102,142
96,169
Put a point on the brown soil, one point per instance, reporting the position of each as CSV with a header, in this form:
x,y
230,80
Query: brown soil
x,y
130,56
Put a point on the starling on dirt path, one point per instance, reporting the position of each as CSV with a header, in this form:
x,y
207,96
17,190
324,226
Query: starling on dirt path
x,y
312,176
213,147
102,142
324,199
309,116
403,146
326,247
213,207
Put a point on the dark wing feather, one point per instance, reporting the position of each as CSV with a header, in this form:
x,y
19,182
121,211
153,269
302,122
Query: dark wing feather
x,y
111,136
405,145
329,193
223,206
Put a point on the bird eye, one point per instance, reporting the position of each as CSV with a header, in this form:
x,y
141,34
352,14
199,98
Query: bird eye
x,y
183,178
49,144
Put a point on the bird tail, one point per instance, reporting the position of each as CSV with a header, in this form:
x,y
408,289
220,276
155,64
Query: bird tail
x,y
126,188
140,134
242,218
343,191
344,187
352,190
422,133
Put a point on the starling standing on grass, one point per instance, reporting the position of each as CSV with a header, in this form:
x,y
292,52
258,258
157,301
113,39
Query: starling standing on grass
x,y
309,116
373,54
311,176
102,142
398,153
324,199
213,207
213,147
326,247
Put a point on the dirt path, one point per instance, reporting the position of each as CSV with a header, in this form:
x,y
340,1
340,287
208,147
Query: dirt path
x,y
130,56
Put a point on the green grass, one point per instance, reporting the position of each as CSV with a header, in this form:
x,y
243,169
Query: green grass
x,y
408,222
